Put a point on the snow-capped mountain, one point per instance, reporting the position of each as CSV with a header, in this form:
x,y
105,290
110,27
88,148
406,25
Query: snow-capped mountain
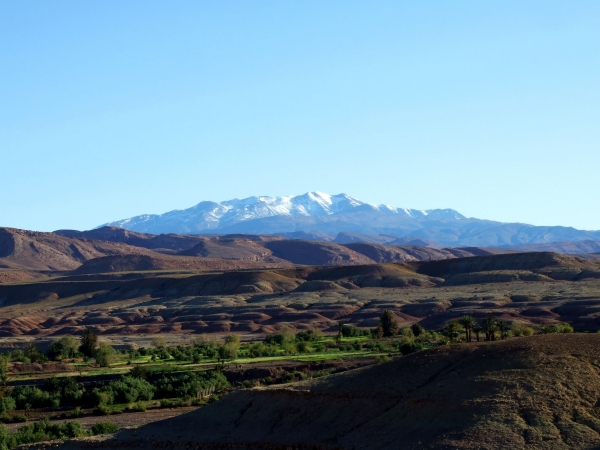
x,y
206,216
322,215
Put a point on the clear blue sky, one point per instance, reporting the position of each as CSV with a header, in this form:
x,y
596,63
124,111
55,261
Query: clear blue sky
x,y
110,109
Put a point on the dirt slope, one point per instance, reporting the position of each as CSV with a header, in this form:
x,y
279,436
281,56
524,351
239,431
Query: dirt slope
x,y
173,242
524,393
391,253
315,253
48,251
128,263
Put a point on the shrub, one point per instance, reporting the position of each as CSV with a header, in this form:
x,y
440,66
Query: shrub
x,y
102,410
139,372
32,397
19,418
351,331
557,328
417,329
77,412
528,331
39,431
7,404
381,358
104,428
410,347
137,407
274,339
165,403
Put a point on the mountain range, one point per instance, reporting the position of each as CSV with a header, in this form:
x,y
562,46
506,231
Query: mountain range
x,y
320,216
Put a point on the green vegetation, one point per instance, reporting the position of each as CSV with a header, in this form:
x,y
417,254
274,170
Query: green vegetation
x,y
45,431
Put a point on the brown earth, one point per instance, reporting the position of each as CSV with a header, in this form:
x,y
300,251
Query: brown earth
x,y
540,392
26,255
554,288
21,249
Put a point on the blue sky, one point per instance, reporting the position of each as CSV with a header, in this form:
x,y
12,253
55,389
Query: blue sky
x,y
113,109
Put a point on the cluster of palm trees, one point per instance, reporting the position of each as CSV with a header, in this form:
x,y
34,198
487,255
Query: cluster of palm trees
x,y
489,326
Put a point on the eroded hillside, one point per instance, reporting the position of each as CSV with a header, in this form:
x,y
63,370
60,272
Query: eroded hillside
x,y
538,392
543,289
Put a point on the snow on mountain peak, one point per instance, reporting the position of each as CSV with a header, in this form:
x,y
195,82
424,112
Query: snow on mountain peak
x,y
209,215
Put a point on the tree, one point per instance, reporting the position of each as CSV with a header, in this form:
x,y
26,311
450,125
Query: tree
x,y
503,326
105,355
452,329
229,350
388,324
417,329
468,323
33,353
338,338
490,325
65,347
3,370
158,342
89,341
477,329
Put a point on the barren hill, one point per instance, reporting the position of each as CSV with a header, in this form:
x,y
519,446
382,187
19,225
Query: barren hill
x,y
539,392
23,249
162,242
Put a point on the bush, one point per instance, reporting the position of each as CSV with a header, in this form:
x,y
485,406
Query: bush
x,y
102,410
32,397
557,328
77,412
125,390
274,339
7,404
528,331
381,358
103,428
351,331
139,372
165,403
137,407
39,431
188,384
410,347
19,418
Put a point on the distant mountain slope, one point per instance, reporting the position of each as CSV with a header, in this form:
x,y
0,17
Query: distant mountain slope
x,y
163,242
21,249
567,247
111,249
321,215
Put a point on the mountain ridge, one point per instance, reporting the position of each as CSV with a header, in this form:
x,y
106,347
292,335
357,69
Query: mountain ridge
x,y
317,213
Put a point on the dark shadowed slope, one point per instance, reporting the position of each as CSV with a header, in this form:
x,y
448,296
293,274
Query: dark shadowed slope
x,y
536,393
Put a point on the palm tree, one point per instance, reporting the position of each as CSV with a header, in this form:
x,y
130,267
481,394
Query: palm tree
x,y
503,325
468,323
452,329
477,329
490,325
